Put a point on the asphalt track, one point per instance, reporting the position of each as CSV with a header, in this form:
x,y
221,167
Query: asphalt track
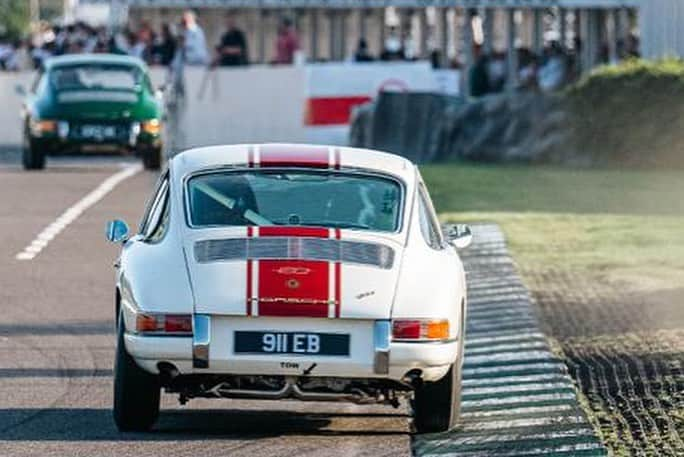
x,y
57,346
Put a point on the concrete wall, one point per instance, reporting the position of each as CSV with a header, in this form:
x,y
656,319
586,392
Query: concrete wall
x,y
256,103
218,108
10,120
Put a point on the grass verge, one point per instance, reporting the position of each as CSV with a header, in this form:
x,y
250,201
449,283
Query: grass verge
x,y
626,226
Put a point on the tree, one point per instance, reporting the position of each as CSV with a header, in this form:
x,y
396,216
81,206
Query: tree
x,y
14,18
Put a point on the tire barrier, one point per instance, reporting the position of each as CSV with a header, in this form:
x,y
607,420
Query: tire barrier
x,y
404,123
518,399
426,127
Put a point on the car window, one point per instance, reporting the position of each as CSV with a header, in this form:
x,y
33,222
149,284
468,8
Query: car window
x,y
155,207
158,229
97,77
429,226
155,224
295,197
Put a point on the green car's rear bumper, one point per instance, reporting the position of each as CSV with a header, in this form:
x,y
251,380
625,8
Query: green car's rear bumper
x,y
77,138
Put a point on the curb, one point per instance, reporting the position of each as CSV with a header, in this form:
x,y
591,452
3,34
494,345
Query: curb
x,y
517,398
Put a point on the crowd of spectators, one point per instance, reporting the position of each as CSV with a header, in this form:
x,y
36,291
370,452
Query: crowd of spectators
x,y
548,71
173,44
184,43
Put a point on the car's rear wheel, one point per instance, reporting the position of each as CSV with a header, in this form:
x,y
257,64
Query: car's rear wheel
x,y
136,392
33,158
437,405
152,158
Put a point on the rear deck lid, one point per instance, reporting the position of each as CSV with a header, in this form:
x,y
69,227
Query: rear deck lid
x,y
286,271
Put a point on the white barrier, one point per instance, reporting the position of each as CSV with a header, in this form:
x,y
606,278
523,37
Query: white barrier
x,y
259,103
245,105
10,103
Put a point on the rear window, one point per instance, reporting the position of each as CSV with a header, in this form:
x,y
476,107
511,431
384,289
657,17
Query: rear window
x,y
315,198
97,77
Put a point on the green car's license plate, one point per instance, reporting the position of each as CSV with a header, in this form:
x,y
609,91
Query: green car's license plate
x,y
98,131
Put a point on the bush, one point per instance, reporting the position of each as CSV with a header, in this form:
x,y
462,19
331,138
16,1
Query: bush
x,y
14,19
631,114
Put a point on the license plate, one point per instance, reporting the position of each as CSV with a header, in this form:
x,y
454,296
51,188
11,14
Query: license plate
x,y
295,343
98,131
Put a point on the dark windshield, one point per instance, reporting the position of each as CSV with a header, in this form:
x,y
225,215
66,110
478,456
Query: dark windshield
x,y
87,77
325,199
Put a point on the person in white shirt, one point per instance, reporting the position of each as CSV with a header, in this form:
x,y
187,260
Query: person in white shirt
x,y
20,60
195,42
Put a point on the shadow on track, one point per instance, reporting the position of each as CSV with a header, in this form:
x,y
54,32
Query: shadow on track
x,y
54,373
84,424
105,327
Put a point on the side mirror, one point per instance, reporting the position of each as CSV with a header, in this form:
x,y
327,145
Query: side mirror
x,y
459,235
116,231
20,90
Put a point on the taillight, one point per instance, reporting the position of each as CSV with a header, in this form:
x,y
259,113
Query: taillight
x,y
39,127
420,329
151,126
175,324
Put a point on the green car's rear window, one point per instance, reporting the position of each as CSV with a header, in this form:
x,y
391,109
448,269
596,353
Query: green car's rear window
x,y
97,77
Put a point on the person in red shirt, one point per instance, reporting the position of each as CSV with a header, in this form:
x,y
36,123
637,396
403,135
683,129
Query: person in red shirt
x,y
287,43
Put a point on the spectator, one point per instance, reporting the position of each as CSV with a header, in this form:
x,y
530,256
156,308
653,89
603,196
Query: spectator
x,y
175,77
527,74
362,54
136,46
553,73
287,43
166,49
195,42
6,52
479,77
394,48
20,59
497,72
233,46
40,53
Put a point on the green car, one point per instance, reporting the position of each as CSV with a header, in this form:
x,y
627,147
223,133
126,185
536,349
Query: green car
x,y
92,102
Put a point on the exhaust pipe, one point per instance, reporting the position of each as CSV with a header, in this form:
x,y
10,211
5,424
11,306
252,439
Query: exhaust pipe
x,y
167,373
219,391
292,390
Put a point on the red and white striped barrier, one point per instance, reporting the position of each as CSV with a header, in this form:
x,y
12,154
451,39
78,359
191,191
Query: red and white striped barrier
x,y
334,89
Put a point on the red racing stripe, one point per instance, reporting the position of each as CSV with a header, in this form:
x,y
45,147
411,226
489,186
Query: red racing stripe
x,y
338,280
296,288
250,231
275,155
293,231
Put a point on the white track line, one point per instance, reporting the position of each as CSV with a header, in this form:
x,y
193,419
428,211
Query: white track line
x,y
72,213
512,412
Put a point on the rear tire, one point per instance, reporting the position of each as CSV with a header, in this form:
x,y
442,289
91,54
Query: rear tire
x,y
136,392
32,157
152,158
437,405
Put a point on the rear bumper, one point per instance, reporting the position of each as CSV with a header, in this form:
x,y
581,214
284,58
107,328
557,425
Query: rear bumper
x,y
372,355
53,144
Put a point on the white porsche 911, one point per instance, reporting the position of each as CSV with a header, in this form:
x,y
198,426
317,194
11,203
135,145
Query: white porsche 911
x,y
290,272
